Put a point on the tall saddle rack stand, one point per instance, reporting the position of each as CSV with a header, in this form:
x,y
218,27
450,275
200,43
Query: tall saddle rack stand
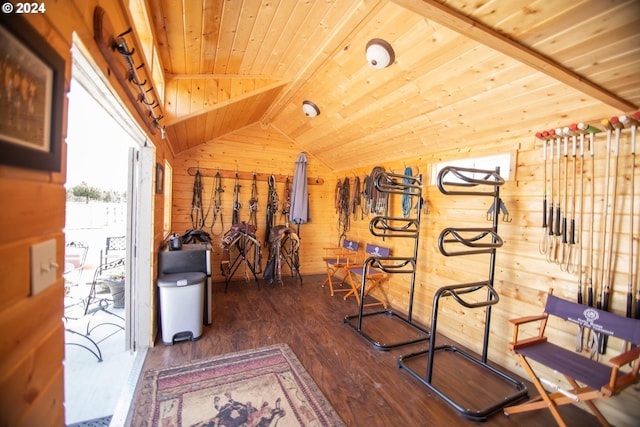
x,y
401,227
459,181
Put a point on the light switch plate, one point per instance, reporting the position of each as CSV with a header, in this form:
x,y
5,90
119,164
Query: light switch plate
x,y
44,267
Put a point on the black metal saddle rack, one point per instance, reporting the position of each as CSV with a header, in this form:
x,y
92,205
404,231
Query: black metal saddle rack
x,y
243,242
401,227
452,241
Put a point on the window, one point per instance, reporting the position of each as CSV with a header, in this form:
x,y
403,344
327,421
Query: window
x,y
503,161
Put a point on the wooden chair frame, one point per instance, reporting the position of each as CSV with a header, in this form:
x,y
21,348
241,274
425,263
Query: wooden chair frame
x,y
374,277
589,379
339,258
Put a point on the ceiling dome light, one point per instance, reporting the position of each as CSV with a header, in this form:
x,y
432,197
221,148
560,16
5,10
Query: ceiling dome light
x,y
310,109
380,54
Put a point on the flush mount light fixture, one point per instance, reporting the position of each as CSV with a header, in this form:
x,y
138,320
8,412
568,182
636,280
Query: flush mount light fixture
x,y
380,54
310,109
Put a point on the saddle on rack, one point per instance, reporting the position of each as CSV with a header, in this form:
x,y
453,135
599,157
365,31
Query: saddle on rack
x,y
233,237
284,244
195,236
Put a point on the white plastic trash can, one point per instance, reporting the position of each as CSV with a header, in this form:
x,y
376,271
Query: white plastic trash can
x,y
181,306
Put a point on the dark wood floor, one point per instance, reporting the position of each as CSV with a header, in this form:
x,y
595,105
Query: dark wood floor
x,y
364,384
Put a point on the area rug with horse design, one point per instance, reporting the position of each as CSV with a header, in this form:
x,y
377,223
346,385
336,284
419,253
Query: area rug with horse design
x,y
264,387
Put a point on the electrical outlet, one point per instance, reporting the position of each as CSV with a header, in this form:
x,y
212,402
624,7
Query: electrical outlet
x,y
44,267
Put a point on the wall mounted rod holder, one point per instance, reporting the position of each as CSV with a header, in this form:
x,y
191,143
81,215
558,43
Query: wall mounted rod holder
x,y
248,176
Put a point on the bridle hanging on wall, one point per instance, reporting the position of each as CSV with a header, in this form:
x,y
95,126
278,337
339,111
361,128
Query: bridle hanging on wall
x,y
253,203
272,208
235,219
197,212
342,203
286,200
216,202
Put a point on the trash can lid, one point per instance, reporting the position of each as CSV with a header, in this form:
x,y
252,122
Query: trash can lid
x,y
181,279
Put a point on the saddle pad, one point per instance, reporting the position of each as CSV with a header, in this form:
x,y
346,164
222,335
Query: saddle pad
x,y
569,363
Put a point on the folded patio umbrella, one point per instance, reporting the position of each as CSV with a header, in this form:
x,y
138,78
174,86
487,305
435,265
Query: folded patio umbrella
x,y
299,211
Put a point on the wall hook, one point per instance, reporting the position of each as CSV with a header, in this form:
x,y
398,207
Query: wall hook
x,y
503,210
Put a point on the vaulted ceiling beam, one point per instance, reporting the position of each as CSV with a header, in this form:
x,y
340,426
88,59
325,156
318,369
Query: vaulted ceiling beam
x,y
360,10
218,77
223,104
456,21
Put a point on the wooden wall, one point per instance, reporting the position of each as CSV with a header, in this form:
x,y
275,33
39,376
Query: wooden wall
x,y
31,347
523,275
264,152
32,341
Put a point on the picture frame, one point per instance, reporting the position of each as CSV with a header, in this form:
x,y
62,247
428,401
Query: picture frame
x,y
32,78
159,179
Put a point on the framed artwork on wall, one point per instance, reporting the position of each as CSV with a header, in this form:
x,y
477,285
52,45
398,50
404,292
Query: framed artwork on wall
x,y
159,179
32,97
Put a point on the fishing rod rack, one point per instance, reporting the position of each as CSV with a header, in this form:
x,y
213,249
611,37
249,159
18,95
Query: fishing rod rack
x,y
393,227
454,241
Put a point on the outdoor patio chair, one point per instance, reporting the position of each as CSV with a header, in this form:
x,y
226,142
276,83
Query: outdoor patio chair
x,y
338,258
96,310
115,248
588,379
112,275
75,255
373,277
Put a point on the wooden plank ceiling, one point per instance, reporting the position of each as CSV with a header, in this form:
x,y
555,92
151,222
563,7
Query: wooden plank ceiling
x,y
466,73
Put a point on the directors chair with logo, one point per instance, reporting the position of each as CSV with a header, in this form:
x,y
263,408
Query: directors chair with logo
x,y
372,278
588,379
338,259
